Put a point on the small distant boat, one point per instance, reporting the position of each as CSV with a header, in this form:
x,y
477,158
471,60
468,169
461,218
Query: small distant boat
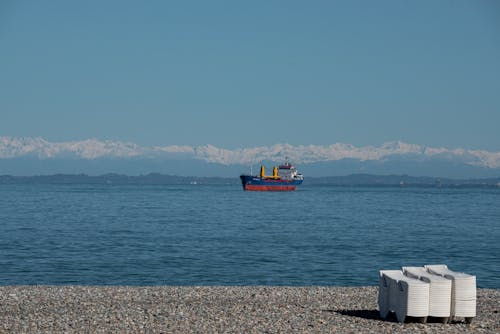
x,y
285,178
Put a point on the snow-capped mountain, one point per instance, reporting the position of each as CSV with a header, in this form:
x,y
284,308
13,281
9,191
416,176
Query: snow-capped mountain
x,y
86,149
93,150
11,147
339,151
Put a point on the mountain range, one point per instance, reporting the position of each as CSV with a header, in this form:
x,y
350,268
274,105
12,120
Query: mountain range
x,y
37,156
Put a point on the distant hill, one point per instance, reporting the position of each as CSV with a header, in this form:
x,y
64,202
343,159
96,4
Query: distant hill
x,y
403,180
117,179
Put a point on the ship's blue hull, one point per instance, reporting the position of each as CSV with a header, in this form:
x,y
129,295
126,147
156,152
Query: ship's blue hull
x,y
256,183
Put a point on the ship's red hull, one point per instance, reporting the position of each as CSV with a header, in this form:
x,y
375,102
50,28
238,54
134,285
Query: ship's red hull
x,y
255,187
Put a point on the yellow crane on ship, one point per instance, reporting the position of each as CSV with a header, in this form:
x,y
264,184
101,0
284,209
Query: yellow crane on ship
x,y
264,176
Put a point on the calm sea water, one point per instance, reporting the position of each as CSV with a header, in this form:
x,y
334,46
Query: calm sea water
x,y
221,235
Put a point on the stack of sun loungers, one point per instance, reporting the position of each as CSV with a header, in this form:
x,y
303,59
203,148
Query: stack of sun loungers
x,y
463,291
439,291
402,295
432,290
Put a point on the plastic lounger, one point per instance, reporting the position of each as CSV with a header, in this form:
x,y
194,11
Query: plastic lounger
x,y
402,295
439,291
463,291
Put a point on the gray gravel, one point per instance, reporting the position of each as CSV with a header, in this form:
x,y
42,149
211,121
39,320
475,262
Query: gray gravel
x,y
166,309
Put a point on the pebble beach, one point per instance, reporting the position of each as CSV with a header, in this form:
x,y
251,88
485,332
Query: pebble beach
x,y
168,309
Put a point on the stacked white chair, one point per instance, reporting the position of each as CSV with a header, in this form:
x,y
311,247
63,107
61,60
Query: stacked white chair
x,y
402,295
463,291
439,291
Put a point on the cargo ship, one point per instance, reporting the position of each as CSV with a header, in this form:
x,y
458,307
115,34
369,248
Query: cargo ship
x,y
285,178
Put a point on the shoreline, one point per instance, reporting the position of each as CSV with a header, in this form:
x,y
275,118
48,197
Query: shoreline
x,y
216,309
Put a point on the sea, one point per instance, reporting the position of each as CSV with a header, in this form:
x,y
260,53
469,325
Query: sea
x,y
197,234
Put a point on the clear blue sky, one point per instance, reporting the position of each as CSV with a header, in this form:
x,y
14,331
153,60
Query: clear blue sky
x,y
239,73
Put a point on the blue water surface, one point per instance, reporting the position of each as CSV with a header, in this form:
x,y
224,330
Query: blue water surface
x,y
221,235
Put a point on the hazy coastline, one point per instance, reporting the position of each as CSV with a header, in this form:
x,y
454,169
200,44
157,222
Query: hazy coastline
x,y
164,179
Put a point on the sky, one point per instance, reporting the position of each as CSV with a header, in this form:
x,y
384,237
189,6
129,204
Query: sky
x,y
243,74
